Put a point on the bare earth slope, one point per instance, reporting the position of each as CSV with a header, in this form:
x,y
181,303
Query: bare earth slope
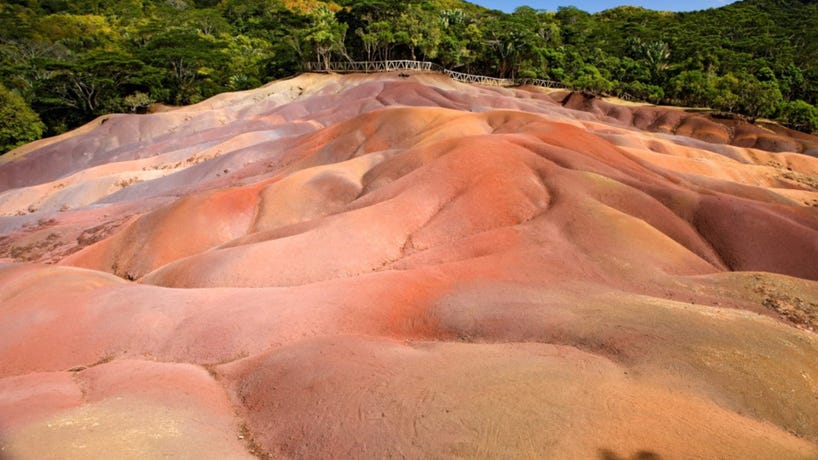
x,y
377,267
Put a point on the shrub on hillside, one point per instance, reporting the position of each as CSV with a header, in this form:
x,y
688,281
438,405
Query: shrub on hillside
x,y
801,116
18,123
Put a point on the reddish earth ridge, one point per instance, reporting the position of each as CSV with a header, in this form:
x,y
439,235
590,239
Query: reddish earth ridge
x,y
380,267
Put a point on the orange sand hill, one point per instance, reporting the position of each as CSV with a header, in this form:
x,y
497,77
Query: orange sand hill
x,y
377,267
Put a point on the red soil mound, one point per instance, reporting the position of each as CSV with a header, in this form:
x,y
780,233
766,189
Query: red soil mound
x,y
705,127
374,266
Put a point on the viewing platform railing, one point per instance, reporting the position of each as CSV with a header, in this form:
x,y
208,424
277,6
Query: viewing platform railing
x,y
479,79
369,66
424,66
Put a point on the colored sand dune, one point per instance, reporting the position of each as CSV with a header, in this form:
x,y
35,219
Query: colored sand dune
x,y
377,266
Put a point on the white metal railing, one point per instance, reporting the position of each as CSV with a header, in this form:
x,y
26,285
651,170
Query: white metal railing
x,y
479,79
542,83
369,66
423,66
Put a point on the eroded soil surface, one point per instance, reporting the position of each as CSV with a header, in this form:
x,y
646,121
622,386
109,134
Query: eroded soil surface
x,y
378,267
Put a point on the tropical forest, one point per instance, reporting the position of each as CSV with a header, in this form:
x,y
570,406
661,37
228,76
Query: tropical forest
x,y
64,63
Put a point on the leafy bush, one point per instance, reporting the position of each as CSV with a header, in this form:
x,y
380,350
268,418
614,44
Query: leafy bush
x,y
590,79
137,101
642,91
801,116
18,123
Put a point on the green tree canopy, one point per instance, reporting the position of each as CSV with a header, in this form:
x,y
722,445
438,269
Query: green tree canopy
x,y
18,123
73,60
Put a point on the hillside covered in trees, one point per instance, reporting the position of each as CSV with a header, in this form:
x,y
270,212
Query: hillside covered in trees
x,y
62,63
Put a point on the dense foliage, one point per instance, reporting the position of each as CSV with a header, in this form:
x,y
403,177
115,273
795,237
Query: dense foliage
x,y
18,123
73,60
